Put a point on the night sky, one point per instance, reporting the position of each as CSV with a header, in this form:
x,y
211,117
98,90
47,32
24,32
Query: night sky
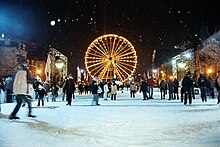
x,y
147,24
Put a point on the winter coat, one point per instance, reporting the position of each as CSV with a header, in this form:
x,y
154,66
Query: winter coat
x,y
113,89
46,87
217,83
187,84
210,84
144,86
176,85
41,92
150,82
20,83
70,85
162,85
94,88
170,86
202,81
99,89
36,85
9,83
132,87
106,88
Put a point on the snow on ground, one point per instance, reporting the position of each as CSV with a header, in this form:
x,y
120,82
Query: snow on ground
x,y
123,123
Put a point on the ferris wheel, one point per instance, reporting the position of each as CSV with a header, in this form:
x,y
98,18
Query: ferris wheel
x,y
111,56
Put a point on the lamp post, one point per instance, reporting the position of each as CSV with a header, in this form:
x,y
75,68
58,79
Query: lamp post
x,y
59,63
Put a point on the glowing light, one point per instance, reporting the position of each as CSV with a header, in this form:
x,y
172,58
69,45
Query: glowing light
x,y
3,35
111,56
154,71
59,63
209,71
188,55
52,23
38,71
173,62
181,64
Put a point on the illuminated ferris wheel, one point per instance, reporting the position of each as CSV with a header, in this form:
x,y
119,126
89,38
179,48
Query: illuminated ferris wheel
x,y
111,56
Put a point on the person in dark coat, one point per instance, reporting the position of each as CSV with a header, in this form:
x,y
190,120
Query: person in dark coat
x,y
9,89
163,89
144,89
217,85
86,87
80,87
187,84
94,89
210,87
202,81
170,89
70,88
64,90
36,86
176,86
41,93
195,84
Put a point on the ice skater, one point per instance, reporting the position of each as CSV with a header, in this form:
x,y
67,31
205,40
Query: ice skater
x,y
20,89
41,94
94,88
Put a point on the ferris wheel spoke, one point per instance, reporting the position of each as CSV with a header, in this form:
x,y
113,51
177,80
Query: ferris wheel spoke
x,y
102,74
107,46
123,70
122,42
127,50
99,69
122,55
120,74
108,73
121,49
116,47
103,44
100,50
126,68
95,64
126,64
96,69
113,45
93,56
104,49
95,53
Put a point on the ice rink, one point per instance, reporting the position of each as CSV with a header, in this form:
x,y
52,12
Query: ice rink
x,y
126,122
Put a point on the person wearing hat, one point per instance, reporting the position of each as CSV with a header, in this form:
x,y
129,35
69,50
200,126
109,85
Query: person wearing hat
x,y
187,84
217,85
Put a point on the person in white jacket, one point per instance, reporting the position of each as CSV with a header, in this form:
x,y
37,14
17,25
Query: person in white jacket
x,y
106,91
20,89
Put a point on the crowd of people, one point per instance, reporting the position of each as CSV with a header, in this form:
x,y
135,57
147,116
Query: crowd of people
x,y
107,90
187,88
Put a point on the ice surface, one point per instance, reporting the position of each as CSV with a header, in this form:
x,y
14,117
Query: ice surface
x,y
126,122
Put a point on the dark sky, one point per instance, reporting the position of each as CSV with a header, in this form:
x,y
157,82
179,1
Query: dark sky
x,y
147,24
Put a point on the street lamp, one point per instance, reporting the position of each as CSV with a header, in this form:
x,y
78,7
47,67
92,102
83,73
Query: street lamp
x,y
181,64
59,63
